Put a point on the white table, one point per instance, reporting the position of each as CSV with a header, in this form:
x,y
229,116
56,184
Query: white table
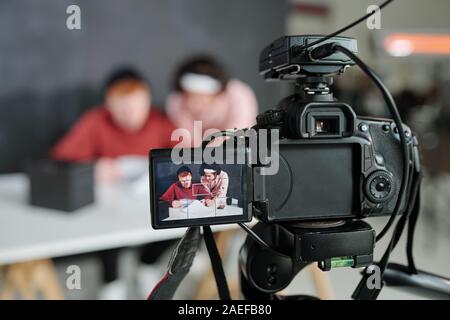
x,y
30,236
118,218
210,212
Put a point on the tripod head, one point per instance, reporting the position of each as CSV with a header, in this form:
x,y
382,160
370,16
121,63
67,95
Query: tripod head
x,y
331,244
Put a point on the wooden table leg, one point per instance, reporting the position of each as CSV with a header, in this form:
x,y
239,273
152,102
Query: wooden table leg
x,y
17,281
45,279
322,283
2,277
27,280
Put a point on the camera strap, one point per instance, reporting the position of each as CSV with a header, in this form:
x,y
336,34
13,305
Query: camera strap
x,y
180,263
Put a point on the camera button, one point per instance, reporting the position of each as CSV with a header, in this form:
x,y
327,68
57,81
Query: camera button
x,y
271,280
363,127
379,160
271,269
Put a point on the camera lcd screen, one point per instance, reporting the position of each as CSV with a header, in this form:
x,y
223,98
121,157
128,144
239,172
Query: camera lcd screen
x,y
196,194
315,181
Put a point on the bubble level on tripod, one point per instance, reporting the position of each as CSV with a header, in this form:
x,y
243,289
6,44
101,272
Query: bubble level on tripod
x,y
342,262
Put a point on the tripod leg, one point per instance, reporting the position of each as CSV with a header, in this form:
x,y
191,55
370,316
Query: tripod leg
x,y
207,289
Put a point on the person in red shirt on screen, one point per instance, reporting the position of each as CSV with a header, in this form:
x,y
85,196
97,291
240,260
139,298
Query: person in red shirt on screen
x,y
184,189
126,125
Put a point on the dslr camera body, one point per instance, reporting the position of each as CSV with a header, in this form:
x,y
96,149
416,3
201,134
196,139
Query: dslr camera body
x,y
332,164
334,169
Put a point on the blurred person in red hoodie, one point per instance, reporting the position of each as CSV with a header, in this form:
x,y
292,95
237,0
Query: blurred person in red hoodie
x,y
126,126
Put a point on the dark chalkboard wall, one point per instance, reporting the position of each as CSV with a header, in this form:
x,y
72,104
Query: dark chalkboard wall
x,y
50,75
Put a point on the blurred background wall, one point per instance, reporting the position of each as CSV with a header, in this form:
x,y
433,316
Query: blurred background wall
x,y
50,75
401,15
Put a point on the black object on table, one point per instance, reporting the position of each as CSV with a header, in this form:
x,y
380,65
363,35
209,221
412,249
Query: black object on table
x,y
61,186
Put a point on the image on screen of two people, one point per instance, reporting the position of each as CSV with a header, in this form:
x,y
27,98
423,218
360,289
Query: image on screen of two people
x,y
199,191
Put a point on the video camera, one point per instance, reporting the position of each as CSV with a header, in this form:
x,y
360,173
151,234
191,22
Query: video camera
x,y
322,170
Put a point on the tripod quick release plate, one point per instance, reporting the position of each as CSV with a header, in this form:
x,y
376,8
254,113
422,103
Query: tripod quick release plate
x,y
353,243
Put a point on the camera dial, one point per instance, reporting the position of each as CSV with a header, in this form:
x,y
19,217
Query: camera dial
x,y
379,186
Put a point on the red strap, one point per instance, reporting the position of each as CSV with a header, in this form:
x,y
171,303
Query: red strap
x,y
163,279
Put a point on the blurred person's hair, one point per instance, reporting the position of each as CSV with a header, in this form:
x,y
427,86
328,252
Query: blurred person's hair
x,y
202,65
123,81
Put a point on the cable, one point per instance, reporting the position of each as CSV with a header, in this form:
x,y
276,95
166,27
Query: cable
x,y
413,200
412,211
351,25
259,240
362,291
328,49
223,133
406,167
411,229
398,121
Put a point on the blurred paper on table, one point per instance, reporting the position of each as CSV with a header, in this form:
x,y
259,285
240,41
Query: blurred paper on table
x,y
133,167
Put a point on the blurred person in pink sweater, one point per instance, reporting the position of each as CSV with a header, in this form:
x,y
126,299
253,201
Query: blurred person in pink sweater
x,y
202,91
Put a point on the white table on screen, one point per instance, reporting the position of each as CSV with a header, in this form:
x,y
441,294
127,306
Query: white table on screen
x,y
180,213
